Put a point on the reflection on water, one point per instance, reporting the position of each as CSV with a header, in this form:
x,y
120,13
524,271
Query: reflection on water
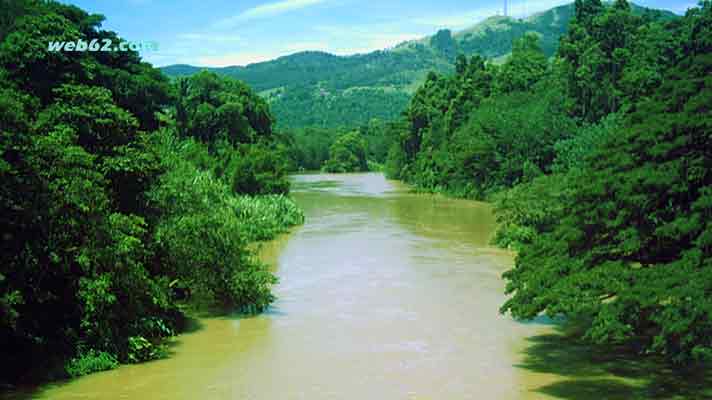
x,y
383,294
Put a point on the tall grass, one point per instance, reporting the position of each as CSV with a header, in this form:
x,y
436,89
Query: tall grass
x,y
205,228
264,217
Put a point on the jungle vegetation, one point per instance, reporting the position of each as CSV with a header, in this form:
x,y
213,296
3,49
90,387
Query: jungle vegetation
x,y
122,194
311,148
347,154
599,165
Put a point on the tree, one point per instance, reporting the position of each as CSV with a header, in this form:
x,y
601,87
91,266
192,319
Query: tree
x,y
347,154
632,251
444,43
524,68
212,108
258,170
101,214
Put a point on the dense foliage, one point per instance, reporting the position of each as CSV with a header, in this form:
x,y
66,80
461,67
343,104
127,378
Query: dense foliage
x,y
484,128
122,193
311,148
308,148
631,251
305,106
211,108
115,193
347,154
599,165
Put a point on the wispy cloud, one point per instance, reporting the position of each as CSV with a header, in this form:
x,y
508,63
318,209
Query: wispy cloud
x,y
210,37
265,11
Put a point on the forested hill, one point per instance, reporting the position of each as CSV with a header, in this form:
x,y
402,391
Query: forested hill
x,y
319,89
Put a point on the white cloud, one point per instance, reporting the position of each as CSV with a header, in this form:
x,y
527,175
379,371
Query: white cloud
x,y
210,37
265,11
221,49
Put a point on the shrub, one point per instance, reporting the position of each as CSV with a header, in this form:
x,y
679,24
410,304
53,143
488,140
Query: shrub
x,y
205,229
141,349
347,154
264,217
90,362
528,209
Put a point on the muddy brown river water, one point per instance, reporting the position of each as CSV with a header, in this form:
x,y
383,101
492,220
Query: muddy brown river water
x,y
383,294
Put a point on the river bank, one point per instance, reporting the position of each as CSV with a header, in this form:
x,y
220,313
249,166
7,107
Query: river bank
x,y
383,294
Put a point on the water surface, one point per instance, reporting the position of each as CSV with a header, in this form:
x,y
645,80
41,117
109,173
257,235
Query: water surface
x,y
383,294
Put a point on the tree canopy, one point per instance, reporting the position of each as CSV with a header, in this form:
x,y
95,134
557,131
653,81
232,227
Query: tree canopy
x,y
632,250
598,163
347,154
117,189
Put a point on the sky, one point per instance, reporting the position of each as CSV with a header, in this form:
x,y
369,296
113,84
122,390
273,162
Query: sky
x,y
221,33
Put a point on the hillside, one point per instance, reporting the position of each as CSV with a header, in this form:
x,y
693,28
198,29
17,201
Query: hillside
x,y
320,89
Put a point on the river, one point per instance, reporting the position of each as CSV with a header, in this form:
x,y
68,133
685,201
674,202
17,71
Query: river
x,y
383,294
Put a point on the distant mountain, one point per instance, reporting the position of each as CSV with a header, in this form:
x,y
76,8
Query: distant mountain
x,y
320,89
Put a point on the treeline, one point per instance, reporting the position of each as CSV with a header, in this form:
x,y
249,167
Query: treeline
x,y
484,128
339,149
600,167
122,194
322,107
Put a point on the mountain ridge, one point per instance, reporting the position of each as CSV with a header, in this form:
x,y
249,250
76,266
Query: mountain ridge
x,y
317,88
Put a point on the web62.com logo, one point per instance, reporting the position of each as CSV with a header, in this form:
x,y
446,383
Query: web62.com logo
x,y
101,45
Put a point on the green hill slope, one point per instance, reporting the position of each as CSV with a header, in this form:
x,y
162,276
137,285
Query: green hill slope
x,y
320,89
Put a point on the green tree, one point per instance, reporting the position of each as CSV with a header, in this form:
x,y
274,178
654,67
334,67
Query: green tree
x,y
212,108
526,66
443,42
631,252
347,154
101,215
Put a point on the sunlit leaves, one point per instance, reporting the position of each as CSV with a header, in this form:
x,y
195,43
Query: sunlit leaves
x,y
212,108
205,229
631,250
347,154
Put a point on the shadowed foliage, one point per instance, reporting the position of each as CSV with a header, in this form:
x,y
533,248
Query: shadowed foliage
x,y
588,372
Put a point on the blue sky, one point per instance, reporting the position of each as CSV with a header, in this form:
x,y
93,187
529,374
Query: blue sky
x,y
223,32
